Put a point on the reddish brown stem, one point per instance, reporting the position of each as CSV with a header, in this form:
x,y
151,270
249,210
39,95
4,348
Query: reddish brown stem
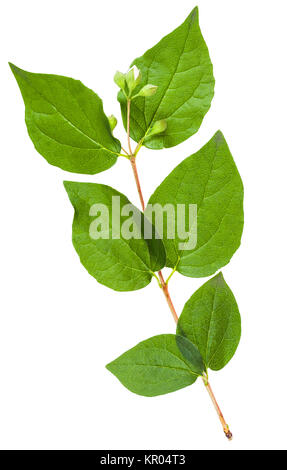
x,y
164,285
167,296
135,171
162,281
225,426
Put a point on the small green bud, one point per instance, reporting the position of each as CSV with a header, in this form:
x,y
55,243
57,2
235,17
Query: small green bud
x,y
158,127
138,76
147,90
120,79
130,79
113,122
133,78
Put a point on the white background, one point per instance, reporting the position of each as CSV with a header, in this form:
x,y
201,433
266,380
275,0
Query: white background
x,y
58,326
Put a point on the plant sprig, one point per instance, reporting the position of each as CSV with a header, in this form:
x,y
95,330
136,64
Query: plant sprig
x,y
164,97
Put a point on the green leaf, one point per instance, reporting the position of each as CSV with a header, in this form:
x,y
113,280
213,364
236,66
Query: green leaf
x,y
115,261
66,122
211,320
210,180
157,366
181,68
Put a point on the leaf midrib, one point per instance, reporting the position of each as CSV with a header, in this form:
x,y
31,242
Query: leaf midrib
x,y
178,358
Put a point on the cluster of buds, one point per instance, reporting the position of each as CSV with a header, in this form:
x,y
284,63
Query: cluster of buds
x,y
128,82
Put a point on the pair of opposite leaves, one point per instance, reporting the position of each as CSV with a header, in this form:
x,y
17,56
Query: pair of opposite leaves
x,y
207,336
67,125
208,179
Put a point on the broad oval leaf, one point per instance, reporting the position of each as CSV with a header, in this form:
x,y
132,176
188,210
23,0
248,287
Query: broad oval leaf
x,y
211,320
157,366
179,65
66,122
115,261
210,181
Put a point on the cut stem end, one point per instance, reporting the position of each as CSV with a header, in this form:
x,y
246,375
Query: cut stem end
x,y
228,434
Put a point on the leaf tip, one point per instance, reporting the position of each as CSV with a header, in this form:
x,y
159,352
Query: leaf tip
x,y
17,72
109,367
71,189
194,14
219,139
68,185
13,67
218,136
220,278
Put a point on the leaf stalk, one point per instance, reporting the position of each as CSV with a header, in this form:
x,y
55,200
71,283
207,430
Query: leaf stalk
x,y
172,272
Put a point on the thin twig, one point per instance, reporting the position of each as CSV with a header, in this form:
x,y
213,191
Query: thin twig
x,y
163,283
225,426
167,296
135,171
